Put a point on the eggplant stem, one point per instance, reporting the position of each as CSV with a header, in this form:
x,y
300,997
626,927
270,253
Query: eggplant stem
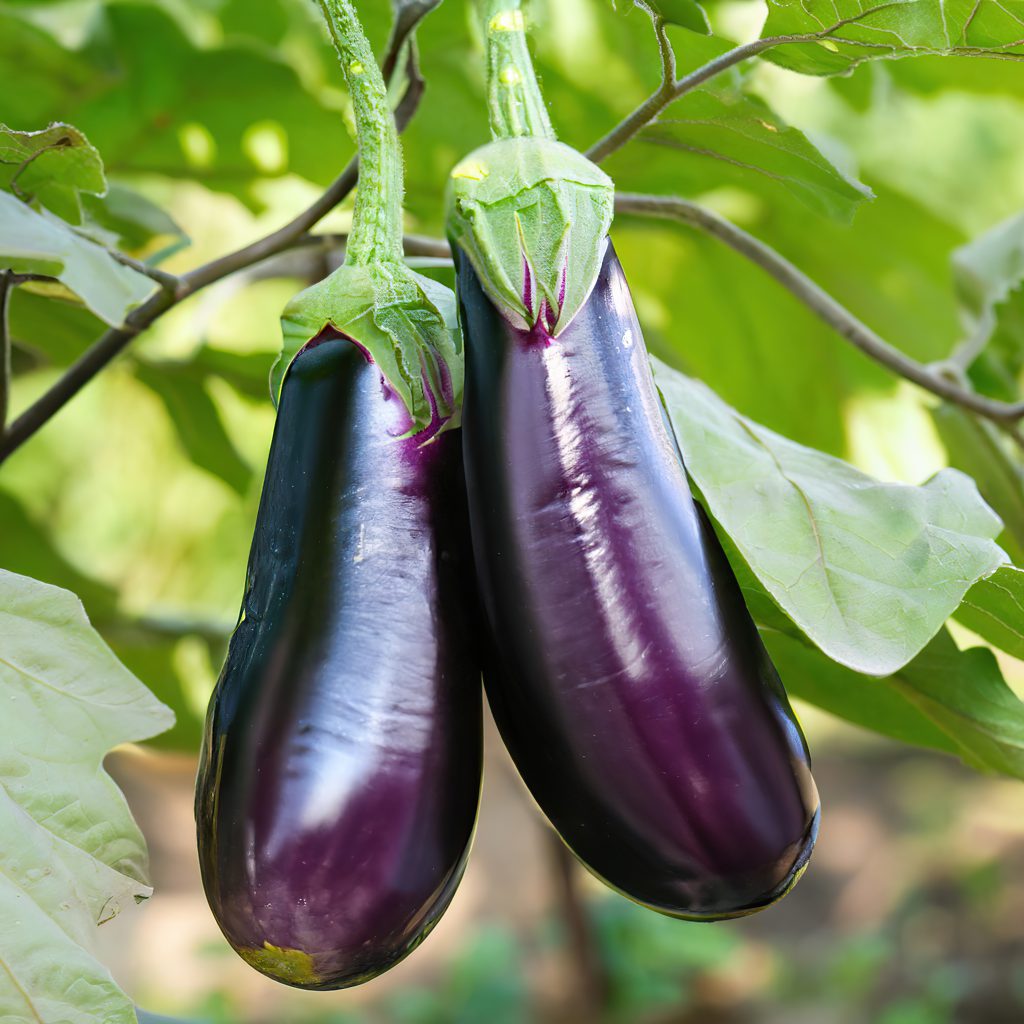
x,y
514,99
377,218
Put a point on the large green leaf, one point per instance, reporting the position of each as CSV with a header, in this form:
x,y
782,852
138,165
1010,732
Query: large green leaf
x,y
994,609
869,571
51,167
843,35
37,242
746,137
978,448
150,649
946,699
72,855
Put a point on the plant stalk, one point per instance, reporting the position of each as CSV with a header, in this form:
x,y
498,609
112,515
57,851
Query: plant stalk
x,y
376,234
514,99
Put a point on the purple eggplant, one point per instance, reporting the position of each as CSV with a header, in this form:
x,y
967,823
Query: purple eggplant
x,y
341,763
626,676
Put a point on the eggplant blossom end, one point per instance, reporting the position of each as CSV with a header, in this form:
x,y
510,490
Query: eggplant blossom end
x,y
405,323
532,215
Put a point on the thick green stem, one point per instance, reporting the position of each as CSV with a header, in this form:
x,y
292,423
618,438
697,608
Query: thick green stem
x,y
376,234
514,98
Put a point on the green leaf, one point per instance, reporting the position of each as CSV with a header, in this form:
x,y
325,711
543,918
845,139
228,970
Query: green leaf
x,y
978,448
994,609
989,273
185,114
197,421
746,137
51,167
129,221
868,570
57,328
39,243
146,649
840,38
73,857
684,13
721,134
945,699
247,372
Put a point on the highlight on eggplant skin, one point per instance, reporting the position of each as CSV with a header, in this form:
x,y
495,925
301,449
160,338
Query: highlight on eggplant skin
x,y
340,772
627,678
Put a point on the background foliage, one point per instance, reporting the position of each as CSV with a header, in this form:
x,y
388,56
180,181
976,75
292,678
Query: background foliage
x,y
185,128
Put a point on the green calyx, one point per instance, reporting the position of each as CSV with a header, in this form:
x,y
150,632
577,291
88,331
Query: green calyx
x,y
405,322
531,215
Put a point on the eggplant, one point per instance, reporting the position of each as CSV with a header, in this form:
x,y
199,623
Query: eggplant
x,y
626,676
341,762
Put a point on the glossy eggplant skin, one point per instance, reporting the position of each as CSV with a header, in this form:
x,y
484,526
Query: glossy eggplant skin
x,y
341,764
627,678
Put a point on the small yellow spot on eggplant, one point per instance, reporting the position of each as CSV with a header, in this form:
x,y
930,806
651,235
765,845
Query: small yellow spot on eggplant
x,y
288,965
510,76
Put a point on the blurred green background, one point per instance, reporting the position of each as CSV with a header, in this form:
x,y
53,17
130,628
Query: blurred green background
x,y
141,495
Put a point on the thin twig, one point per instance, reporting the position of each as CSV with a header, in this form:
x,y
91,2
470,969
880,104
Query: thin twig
x,y
169,282
820,303
5,348
114,341
83,370
16,279
669,91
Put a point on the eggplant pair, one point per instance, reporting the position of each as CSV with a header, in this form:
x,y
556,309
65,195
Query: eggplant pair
x,y
340,770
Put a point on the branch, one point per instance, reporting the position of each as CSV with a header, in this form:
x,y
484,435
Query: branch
x,y
823,305
669,91
5,348
114,341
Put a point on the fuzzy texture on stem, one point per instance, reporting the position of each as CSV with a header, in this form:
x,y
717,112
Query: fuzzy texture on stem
x,y
377,218
514,99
